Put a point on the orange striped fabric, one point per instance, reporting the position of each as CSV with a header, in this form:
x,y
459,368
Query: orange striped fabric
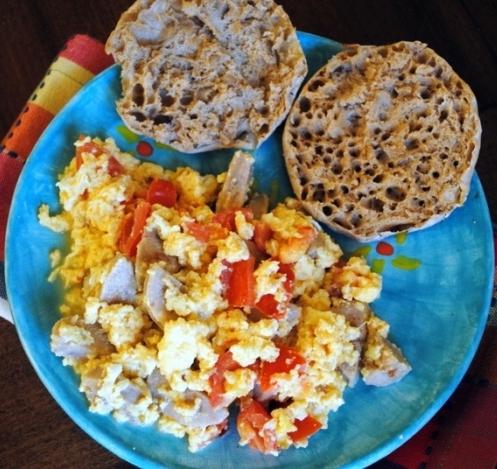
x,y
26,130
81,58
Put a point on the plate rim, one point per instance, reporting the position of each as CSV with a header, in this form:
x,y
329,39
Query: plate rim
x,y
126,453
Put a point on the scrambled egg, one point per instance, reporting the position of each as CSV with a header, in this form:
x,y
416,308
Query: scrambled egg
x,y
199,312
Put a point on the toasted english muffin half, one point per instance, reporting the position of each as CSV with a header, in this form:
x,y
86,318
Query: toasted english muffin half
x,y
200,76
382,139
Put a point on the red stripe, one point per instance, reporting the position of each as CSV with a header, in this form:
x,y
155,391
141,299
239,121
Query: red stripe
x,y
87,52
10,168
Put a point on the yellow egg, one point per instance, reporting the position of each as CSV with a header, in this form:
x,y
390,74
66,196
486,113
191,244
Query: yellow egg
x,y
152,357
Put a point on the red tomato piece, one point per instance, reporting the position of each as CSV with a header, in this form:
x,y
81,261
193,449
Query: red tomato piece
x,y
88,147
305,428
269,307
287,269
225,362
114,168
226,218
199,231
206,232
262,234
216,382
125,231
250,421
162,192
287,360
241,287
132,232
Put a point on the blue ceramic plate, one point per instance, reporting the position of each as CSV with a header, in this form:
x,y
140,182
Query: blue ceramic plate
x,y
436,296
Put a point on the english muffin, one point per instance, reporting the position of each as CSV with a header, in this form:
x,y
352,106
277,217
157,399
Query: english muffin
x,y
382,139
205,75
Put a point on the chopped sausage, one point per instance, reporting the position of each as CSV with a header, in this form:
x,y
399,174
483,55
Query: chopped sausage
x,y
351,371
157,384
382,361
78,341
153,293
357,314
120,285
235,189
259,204
390,368
205,416
148,251
255,252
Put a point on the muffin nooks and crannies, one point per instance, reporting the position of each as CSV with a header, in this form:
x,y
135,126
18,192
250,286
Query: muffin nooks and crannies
x,y
382,139
205,75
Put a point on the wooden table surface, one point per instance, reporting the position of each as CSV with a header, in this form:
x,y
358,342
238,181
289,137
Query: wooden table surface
x,y
34,431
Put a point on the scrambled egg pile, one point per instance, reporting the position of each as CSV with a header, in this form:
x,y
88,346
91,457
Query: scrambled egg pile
x,y
172,311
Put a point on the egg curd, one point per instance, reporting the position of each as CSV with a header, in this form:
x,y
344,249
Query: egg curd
x,y
173,311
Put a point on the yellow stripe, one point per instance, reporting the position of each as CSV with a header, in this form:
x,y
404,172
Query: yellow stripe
x,y
71,69
54,92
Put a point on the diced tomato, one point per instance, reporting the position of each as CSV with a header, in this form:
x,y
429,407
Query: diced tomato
x,y
305,428
162,192
216,382
250,422
287,360
269,307
225,362
207,232
131,232
287,269
262,234
125,232
241,286
226,218
88,147
199,231
114,168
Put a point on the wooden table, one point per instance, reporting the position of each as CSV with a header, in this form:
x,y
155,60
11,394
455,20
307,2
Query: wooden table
x,y
34,431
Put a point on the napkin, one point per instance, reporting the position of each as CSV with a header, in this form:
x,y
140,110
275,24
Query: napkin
x,y
80,59
462,434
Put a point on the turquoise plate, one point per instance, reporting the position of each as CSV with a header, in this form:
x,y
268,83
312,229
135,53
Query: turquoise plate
x,y
436,295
